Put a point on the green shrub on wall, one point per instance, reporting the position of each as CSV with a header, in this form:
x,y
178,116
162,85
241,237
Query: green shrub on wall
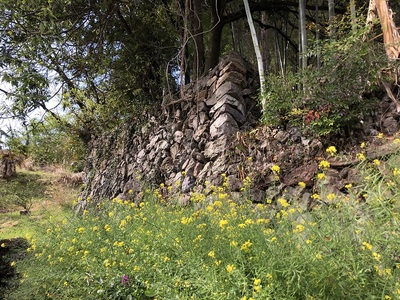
x,y
334,96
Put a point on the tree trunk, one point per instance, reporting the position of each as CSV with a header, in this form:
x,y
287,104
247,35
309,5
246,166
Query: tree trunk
x,y
183,65
391,39
217,8
264,43
258,54
353,15
317,34
278,55
371,13
391,36
197,28
303,34
331,12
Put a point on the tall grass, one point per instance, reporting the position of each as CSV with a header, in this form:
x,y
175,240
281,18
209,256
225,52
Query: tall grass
x,y
346,247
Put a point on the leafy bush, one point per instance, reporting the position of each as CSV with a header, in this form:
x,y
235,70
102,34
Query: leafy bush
x,y
336,95
20,191
48,142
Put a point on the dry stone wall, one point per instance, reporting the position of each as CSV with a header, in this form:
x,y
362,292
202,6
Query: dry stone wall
x,y
211,130
188,144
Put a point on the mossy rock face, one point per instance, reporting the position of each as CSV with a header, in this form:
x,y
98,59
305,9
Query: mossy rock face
x,y
10,250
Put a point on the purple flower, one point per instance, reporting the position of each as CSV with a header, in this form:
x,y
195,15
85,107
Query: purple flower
x,y
125,279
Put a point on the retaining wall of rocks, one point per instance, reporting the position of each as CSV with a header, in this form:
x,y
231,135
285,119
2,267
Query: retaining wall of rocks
x,y
211,130
187,144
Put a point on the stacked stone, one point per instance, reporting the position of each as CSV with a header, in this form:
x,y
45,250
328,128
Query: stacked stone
x,y
187,146
219,114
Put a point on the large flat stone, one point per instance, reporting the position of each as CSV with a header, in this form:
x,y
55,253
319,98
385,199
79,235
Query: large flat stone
x,y
213,149
225,124
226,108
234,77
229,88
228,99
234,66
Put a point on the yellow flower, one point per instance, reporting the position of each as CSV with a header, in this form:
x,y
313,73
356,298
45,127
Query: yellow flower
x,y
246,246
81,230
222,196
186,220
230,268
331,197
318,256
3,245
348,186
269,276
223,223
377,162
331,150
299,228
321,176
256,288
380,135
315,197
107,263
233,243
302,184
249,158
324,164
257,281
12,264
211,254
249,222
366,245
283,202
122,224
276,169
376,256
362,145
361,156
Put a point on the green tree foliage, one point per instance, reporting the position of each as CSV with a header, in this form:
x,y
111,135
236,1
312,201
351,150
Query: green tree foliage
x,y
105,56
111,60
48,142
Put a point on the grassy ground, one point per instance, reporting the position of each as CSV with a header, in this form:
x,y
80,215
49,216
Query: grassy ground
x,y
219,246
29,200
29,203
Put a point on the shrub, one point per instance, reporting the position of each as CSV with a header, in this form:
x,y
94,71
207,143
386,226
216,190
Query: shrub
x,y
335,96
